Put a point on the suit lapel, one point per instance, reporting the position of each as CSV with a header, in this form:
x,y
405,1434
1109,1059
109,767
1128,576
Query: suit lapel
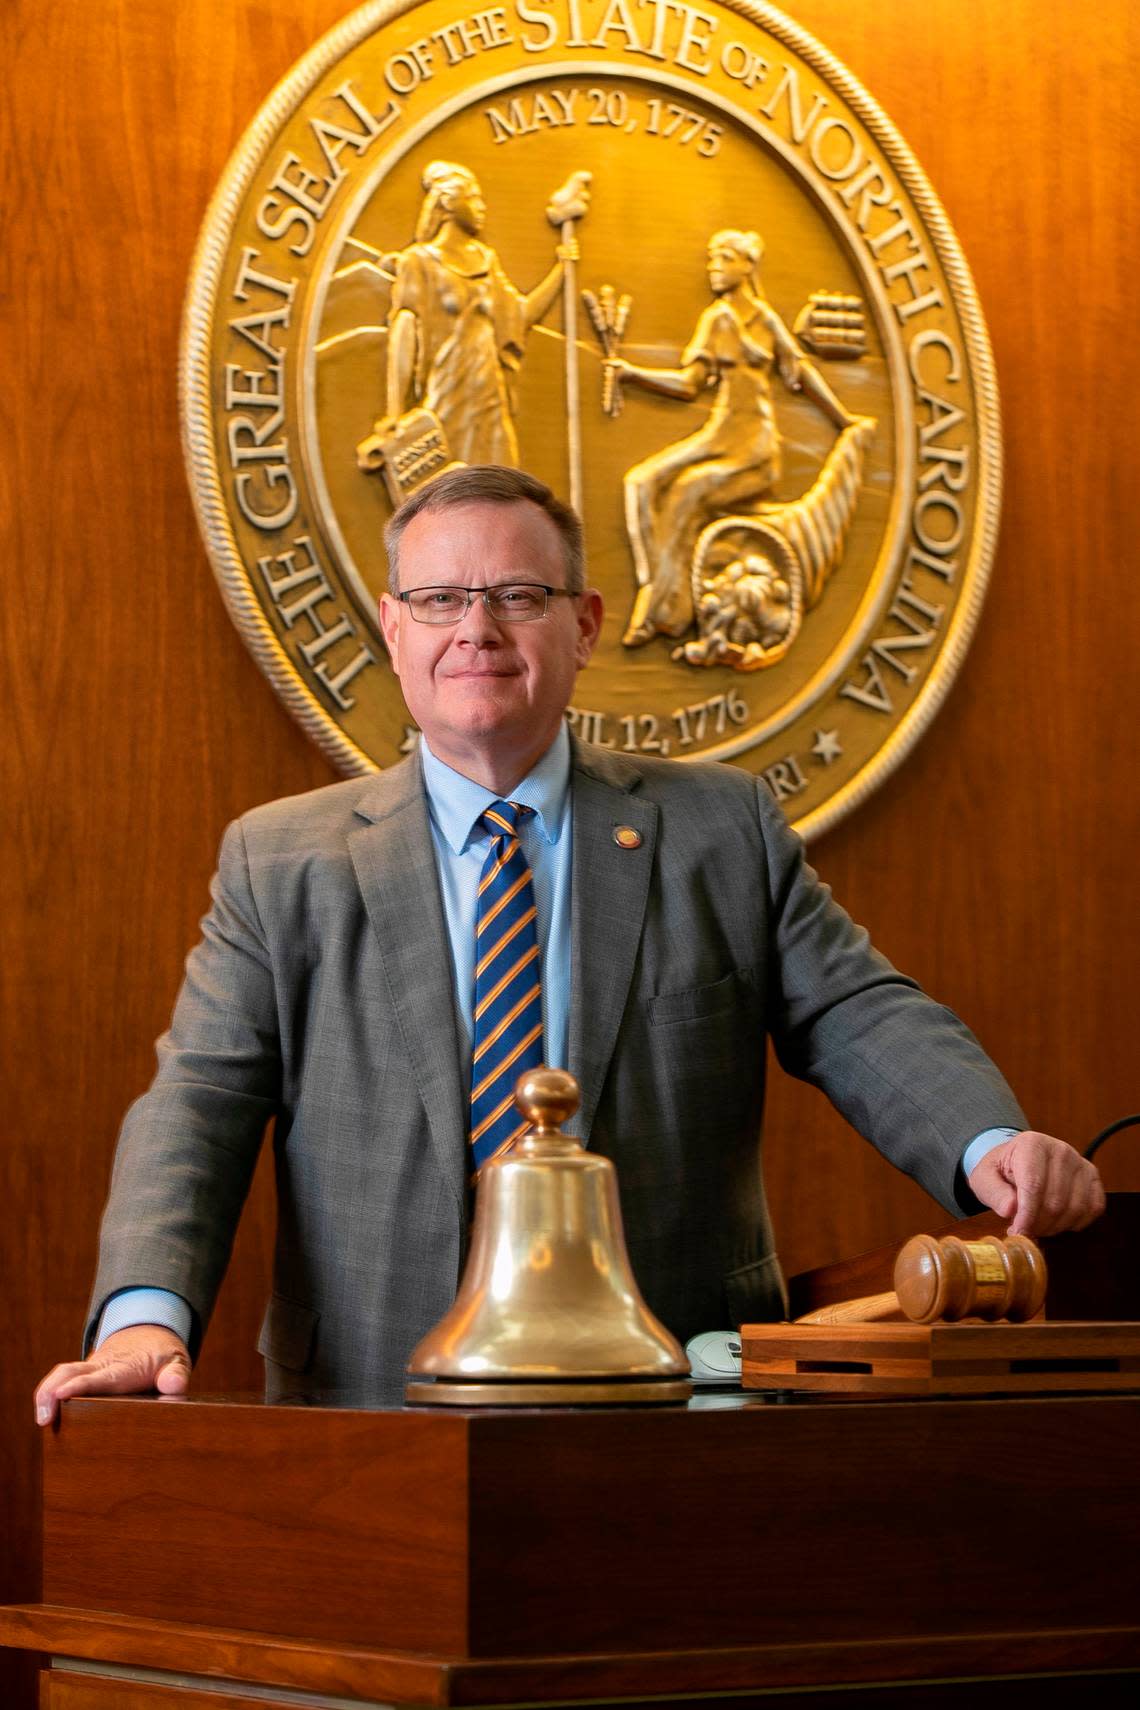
x,y
608,898
396,872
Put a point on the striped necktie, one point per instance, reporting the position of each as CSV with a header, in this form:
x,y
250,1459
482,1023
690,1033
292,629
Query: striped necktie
x,y
508,993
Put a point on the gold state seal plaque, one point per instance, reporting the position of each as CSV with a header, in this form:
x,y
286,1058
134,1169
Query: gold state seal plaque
x,y
673,259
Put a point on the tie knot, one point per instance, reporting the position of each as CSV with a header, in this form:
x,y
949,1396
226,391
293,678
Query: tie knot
x,y
501,819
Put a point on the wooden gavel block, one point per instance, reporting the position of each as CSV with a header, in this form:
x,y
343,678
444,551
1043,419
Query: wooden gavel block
x,y
911,1342
945,1278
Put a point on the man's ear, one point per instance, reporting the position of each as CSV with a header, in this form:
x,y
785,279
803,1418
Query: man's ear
x,y
590,612
390,628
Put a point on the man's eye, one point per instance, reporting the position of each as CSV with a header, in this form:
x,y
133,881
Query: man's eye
x,y
441,597
518,597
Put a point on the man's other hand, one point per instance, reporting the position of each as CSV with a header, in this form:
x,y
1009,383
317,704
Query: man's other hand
x,y
140,1358
1042,1185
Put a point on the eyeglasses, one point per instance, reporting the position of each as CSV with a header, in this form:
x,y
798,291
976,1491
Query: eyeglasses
x,y
508,602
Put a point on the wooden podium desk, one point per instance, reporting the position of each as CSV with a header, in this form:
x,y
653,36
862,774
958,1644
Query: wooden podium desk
x,y
214,1554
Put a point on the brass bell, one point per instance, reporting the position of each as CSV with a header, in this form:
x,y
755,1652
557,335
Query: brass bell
x,y
548,1311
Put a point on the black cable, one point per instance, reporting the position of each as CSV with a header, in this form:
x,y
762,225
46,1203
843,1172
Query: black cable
x,y
1113,1128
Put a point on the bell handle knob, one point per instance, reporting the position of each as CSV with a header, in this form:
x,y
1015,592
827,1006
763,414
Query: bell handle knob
x,y
547,1098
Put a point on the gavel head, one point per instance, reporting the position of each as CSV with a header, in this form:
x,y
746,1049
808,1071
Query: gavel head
x,y
949,1278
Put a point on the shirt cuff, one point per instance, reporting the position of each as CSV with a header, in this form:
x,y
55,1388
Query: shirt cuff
x,y
145,1306
983,1143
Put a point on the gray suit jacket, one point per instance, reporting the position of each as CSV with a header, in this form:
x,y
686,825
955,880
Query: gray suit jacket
x,y
321,994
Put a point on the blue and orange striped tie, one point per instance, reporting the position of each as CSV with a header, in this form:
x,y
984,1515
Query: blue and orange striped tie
x,y
508,991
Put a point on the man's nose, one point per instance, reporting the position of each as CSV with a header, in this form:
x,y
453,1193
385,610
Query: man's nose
x,y
477,626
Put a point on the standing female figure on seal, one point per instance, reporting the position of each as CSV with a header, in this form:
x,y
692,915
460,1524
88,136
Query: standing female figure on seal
x,y
457,326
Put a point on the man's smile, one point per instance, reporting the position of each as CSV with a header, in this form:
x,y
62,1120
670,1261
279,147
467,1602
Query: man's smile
x,y
478,671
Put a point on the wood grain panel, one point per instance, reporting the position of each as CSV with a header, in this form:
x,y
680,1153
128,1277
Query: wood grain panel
x,y
63,1691
800,1525
339,1525
998,865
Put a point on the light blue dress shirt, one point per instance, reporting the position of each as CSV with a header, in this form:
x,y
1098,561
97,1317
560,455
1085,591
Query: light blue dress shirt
x,y
455,805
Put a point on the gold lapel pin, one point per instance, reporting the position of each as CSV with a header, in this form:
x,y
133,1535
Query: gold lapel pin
x,y
627,837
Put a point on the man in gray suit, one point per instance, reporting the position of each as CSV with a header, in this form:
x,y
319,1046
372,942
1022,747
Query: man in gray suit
x,y
679,927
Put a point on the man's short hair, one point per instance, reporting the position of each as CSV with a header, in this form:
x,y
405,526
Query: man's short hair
x,y
488,483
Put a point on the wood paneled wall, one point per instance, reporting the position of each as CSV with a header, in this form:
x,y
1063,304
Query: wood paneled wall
x,y
999,865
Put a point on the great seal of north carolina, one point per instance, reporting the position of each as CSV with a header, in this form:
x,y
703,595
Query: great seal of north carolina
x,y
674,260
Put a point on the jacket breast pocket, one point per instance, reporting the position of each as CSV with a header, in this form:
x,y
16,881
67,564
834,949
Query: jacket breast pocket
x,y
288,1333
699,1003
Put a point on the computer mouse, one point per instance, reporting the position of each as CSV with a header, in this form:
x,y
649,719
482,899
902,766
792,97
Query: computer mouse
x,y
714,1356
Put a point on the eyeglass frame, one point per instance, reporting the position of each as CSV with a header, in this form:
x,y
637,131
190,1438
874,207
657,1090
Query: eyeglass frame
x,y
484,594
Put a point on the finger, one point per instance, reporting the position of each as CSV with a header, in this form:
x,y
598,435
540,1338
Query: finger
x,y
1000,1197
1088,1198
107,1377
1028,1171
1065,1200
1080,1192
1027,1218
47,1391
1053,1202
1087,1216
988,1184
1079,1188
174,1377
1099,1197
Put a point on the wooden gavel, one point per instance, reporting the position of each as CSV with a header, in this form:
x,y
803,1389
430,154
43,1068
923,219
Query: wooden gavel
x,y
945,1277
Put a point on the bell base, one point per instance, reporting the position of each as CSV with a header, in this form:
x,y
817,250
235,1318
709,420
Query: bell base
x,y
545,1392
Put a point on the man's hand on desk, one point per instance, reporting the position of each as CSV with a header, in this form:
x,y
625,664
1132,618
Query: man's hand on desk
x,y
1042,1185
132,1361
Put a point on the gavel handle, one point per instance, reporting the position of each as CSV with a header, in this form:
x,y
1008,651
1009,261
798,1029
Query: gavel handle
x,y
868,1309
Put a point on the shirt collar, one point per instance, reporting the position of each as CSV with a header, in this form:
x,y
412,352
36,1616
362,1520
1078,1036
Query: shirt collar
x,y
456,803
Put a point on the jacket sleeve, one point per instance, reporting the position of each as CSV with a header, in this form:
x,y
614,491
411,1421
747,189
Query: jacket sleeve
x,y
902,1069
188,1146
